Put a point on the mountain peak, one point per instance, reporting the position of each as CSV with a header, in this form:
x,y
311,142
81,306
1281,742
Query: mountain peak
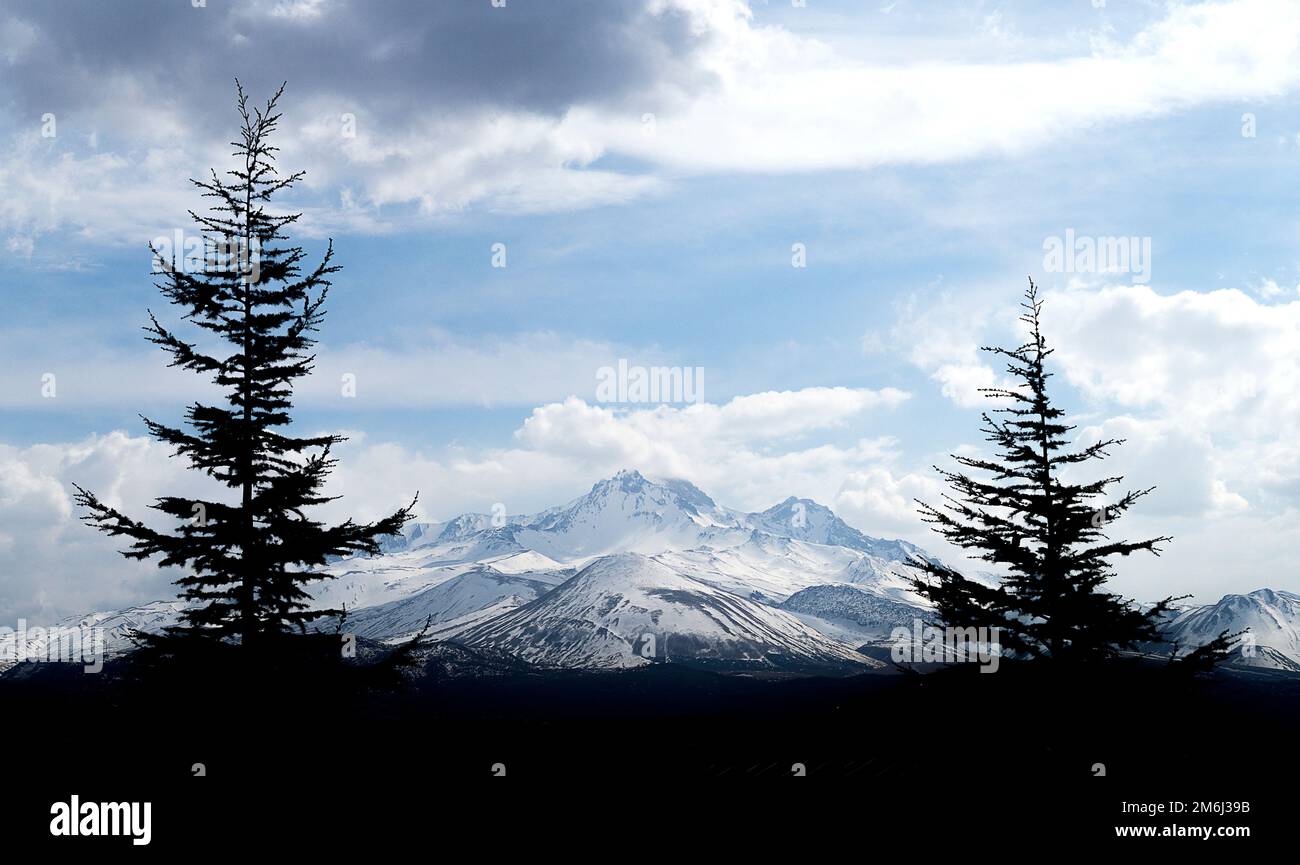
x,y
1273,596
805,519
1271,616
626,511
789,504
686,494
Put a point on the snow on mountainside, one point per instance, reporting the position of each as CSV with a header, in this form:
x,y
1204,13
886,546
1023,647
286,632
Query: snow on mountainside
x,y
627,610
763,567
792,583
805,520
416,535
1273,618
115,628
770,554
631,513
478,588
628,513
851,611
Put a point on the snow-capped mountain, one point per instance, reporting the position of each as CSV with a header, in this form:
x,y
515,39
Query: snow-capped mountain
x,y
805,520
627,610
628,513
114,628
1273,620
482,573
589,582
633,558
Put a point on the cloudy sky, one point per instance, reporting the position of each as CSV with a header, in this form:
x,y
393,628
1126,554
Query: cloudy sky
x,y
648,168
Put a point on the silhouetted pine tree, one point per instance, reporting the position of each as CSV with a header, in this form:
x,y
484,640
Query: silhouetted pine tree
x,y
1050,534
251,558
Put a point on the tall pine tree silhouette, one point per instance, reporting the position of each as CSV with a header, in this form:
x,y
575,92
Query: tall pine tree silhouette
x,y
249,559
1050,534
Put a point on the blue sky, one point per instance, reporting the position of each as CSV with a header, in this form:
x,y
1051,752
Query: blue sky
x,y
922,153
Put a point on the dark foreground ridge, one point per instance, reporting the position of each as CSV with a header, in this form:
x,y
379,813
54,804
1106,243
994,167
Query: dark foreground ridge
x,y
1011,752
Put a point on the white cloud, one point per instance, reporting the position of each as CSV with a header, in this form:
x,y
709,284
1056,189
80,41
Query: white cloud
x,y
1189,474
746,97
1217,360
1209,379
941,333
729,449
885,498
1214,370
1200,385
516,162
746,452
787,102
53,565
298,10
1269,289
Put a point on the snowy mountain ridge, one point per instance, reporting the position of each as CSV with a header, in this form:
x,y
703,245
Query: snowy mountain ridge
x,y
639,571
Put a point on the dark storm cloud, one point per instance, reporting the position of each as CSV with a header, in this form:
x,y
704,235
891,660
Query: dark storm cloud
x,y
389,55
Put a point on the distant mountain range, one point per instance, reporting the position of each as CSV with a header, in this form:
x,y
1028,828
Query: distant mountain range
x,y
1273,620
634,572
642,571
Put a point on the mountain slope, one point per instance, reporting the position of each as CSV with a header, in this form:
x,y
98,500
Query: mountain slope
x,y
852,610
114,628
1273,619
474,590
627,610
